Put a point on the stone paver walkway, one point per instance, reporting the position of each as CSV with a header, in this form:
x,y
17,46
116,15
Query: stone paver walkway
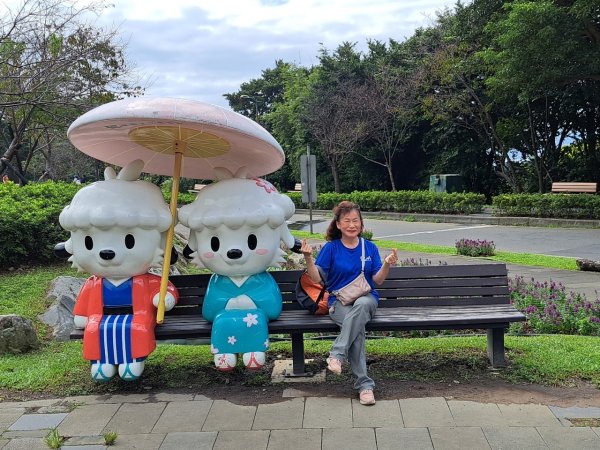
x,y
187,421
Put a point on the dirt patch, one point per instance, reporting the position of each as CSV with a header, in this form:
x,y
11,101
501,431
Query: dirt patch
x,y
465,377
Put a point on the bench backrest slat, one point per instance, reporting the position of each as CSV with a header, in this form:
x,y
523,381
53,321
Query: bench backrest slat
x,y
444,301
449,291
449,271
405,286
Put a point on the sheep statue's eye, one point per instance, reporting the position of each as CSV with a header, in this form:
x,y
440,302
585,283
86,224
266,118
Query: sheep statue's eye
x,y
215,244
252,241
129,241
89,243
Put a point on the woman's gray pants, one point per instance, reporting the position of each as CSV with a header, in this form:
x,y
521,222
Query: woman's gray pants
x,y
350,344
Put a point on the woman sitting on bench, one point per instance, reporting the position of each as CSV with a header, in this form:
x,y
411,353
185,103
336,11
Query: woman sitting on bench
x,y
353,266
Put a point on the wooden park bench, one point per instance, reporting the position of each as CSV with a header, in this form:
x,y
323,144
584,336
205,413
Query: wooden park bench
x,y
452,297
297,188
573,187
196,189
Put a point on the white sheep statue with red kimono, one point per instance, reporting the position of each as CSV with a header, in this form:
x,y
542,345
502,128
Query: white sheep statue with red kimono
x,y
118,231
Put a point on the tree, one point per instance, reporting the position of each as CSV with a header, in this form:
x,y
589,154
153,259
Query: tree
x,y
335,117
257,97
394,102
336,108
456,89
54,65
546,56
284,122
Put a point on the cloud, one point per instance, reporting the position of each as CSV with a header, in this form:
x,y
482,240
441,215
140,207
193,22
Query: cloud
x,y
202,49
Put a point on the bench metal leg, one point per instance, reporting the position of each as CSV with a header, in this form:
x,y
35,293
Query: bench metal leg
x,y
298,369
495,346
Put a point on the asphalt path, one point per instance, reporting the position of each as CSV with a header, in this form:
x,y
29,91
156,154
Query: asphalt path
x,y
573,242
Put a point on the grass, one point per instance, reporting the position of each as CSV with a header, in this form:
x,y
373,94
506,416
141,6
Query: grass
x,y
110,437
53,439
23,292
526,259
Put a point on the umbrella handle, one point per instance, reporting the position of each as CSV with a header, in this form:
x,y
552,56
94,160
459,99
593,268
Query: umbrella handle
x,y
164,281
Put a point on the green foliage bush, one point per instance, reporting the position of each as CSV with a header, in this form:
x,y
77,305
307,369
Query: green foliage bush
x,y
565,206
422,202
183,198
29,226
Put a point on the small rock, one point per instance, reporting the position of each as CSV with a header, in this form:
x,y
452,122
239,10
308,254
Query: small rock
x,y
17,335
588,265
62,294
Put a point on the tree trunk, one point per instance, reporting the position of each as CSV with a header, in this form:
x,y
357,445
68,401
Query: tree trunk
x,y
391,175
336,178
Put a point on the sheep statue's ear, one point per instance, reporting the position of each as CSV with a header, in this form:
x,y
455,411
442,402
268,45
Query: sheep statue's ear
x,y
131,171
174,256
61,251
242,172
221,173
297,246
109,173
187,252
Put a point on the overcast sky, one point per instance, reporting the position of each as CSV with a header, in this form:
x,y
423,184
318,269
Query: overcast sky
x,y
202,49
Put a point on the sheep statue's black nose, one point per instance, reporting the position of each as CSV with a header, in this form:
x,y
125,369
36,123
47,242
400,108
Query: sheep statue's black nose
x,y
234,253
107,254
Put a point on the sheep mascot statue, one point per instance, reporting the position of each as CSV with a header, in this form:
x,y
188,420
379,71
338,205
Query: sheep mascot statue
x,y
118,231
236,227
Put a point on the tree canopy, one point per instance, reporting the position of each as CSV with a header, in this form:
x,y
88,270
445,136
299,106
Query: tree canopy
x,y
505,93
54,65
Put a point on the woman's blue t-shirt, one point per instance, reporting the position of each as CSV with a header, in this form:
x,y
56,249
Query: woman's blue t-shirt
x,y
342,264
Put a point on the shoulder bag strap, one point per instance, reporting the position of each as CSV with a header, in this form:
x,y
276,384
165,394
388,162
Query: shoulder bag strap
x,y
362,258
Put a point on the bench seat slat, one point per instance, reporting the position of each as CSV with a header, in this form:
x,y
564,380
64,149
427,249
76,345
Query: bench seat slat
x,y
385,319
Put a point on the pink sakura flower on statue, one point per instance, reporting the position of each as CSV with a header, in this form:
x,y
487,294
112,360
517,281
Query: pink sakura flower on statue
x,y
251,319
213,350
231,340
265,185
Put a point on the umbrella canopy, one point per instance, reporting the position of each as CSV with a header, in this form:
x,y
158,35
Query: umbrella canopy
x,y
154,129
175,137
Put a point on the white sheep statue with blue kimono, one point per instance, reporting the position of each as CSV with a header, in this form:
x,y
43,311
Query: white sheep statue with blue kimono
x,y
236,226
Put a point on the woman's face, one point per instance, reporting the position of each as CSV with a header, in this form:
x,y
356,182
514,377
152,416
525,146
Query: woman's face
x,y
350,224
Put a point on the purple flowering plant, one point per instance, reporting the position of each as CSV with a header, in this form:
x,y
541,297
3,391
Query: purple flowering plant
x,y
472,247
410,262
550,309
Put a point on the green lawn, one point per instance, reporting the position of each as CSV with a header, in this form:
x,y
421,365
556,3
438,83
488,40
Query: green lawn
x,y
526,259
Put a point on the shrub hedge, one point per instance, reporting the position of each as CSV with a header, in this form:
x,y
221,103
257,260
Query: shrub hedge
x,y
565,206
401,201
29,226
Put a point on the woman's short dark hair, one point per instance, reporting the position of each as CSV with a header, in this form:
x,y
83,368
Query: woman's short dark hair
x,y
343,208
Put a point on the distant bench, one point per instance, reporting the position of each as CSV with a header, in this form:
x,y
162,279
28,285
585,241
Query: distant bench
x,y
573,187
412,298
196,189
